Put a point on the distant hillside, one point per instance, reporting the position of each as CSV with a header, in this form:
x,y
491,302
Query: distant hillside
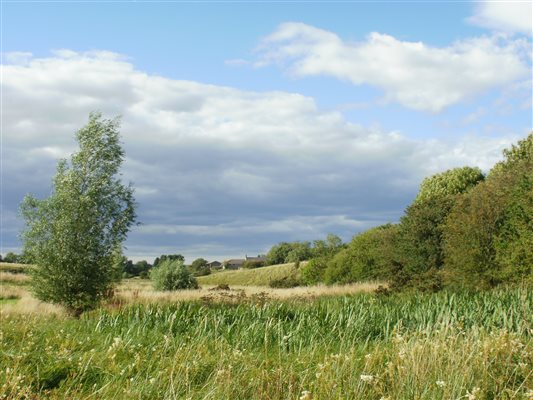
x,y
250,277
14,268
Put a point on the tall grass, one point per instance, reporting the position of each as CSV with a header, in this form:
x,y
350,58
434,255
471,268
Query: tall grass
x,y
443,346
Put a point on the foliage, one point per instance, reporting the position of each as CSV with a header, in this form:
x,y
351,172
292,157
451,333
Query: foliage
x,y
288,252
451,182
74,235
327,248
173,275
300,251
420,247
313,271
368,256
199,267
278,253
285,282
172,257
251,264
11,258
140,268
489,233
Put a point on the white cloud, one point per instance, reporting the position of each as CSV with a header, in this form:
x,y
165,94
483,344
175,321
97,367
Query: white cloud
x,y
413,74
243,169
505,16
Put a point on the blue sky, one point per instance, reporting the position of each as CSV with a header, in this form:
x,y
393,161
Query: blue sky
x,y
246,124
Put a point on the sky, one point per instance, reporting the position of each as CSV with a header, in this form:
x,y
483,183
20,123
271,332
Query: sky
x,y
250,123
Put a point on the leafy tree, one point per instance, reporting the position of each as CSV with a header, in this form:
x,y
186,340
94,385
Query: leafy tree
x,y
420,236
172,257
198,263
11,258
300,251
327,248
489,233
369,255
278,253
451,182
75,235
173,275
199,267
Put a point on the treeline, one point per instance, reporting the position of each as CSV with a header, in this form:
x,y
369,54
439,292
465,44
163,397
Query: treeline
x,y
462,229
142,269
12,258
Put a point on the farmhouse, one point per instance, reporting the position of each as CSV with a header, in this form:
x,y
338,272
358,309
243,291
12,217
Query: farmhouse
x,y
236,263
214,265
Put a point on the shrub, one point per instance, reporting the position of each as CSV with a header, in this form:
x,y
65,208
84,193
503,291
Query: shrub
x,y
251,264
368,256
173,275
313,271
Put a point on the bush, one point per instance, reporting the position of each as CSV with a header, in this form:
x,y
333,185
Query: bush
x,y
313,271
368,256
173,275
251,264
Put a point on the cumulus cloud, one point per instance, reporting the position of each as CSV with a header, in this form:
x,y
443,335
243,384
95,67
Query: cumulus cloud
x,y
413,74
219,171
504,16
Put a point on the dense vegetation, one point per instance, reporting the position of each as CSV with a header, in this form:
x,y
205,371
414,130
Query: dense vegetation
x,y
425,346
173,275
462,229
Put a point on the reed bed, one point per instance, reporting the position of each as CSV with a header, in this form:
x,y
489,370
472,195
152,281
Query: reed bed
x,y
359,346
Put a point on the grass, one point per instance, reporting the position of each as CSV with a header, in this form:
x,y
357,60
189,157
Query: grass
x,y
250,277
440,346
14,268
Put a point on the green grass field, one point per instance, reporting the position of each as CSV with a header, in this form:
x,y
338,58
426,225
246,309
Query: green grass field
x,y
250,277
440,346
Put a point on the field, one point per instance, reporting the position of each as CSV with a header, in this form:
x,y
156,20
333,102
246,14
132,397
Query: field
x,y
254,343
250,277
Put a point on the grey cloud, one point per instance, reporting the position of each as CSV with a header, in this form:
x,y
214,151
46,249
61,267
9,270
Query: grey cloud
x,y
219,171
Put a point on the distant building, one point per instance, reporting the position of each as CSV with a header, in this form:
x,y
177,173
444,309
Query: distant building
x,y
236,263
214,265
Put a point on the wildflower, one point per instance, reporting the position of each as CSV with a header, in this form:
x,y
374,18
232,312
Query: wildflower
x,y
473,395
306,395
367,378
440,383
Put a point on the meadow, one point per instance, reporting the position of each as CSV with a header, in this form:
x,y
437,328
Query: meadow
x,y
251,277
249,343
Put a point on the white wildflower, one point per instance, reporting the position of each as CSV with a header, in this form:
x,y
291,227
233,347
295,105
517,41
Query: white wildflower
x,y
367,378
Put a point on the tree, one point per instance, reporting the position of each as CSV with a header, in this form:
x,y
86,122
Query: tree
x,y
489,232
420,253
75,236
173,275
278,253
448,183
11,258
199,267
369,255
172,257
